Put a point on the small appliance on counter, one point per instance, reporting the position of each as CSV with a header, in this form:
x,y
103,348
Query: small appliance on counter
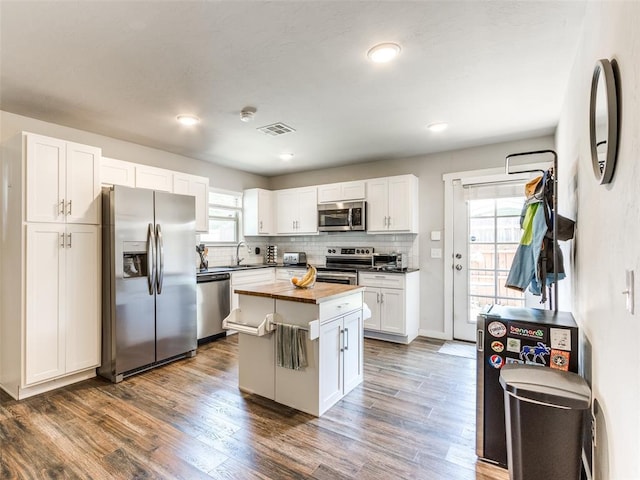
x,y
294,258
389,261
271,255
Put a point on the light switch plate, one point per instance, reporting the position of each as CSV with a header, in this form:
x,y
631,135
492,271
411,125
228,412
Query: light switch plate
x,y
435,236
436,253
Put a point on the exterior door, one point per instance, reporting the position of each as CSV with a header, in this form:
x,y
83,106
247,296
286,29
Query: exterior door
x,y
486,236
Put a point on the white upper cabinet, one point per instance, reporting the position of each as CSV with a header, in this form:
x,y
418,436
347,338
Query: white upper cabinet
x,y
257,212
341,192
297,211
154,178
63,181
392,204
117,172
198,187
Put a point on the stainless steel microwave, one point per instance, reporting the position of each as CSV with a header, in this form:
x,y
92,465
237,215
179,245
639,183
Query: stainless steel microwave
x,y
342,217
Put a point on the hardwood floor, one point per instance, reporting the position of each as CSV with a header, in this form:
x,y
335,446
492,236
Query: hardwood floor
x,y
412,418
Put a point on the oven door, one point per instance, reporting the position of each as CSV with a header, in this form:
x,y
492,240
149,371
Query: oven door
x,y
344,278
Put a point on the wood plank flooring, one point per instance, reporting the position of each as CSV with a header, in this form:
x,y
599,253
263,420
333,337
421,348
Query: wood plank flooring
x,y
412,418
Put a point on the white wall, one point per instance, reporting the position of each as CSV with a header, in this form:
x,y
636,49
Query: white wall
x,y
607,239
429,169
220,177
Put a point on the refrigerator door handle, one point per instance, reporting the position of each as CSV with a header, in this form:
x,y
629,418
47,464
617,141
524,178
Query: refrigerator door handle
x,y
151,256
160,254
480,341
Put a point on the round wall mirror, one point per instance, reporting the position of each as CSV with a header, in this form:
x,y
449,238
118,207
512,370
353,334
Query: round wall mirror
x,y
603,121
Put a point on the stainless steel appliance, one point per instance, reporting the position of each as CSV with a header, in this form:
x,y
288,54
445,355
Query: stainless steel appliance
x,y
342,217
342,264
389,261
214,304
149,280
515,335
294,258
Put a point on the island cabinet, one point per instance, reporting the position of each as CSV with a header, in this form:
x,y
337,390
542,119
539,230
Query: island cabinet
x,y
333,342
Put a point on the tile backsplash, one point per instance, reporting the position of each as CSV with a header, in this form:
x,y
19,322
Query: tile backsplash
x,y
315,247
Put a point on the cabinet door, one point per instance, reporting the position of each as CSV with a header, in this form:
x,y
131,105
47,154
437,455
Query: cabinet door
x,y
82,300
154,178
307,210
286,211
392,311
330,193
377,205
372,299
117,172
400,204
45,288
353,351
331,363
265,212
82,184
45,184
199,188
353,191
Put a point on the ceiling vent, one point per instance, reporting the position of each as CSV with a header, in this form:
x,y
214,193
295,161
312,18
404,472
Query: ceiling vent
x,y
276,129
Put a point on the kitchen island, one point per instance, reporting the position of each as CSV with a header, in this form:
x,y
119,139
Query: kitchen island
x,y
332,317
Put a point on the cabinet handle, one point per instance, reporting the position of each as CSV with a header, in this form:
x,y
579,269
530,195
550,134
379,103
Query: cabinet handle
x,y
342,343
382,298
346,338
62,240
377,297
69,242
293,225
61,212
389,221
69,210
260,225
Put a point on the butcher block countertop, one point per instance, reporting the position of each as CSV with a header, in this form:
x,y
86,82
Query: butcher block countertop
x,y
284,290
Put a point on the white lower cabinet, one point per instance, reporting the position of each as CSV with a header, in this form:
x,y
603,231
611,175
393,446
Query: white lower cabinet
x,y
394,303
62,313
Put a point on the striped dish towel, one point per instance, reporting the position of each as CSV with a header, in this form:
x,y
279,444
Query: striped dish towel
x,y
291,349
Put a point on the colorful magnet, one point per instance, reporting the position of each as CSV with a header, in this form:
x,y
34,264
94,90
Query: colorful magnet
x,y
559,360
513,345
497,329
496,361
514,360
560,338
497,346
533,353
524,330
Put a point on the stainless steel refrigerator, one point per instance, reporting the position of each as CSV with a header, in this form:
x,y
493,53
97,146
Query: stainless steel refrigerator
x,y
515,335
149,280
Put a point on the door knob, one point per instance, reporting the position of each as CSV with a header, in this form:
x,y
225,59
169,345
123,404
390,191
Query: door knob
x,y
458,267
458,256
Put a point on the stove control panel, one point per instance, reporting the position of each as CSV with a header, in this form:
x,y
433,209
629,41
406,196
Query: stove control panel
x,y
349,251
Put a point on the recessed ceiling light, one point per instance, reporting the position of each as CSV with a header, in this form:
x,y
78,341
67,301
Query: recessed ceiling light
x,y
384,52
437,126
286,156
188,119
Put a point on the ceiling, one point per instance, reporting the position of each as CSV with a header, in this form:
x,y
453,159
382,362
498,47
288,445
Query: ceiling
x,y
494,70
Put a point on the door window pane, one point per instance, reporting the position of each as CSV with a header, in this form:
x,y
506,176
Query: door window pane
x,y
481,255
482,208
508,229
482,229
509,206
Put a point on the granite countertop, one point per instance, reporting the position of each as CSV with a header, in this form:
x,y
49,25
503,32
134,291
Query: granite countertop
x,y
283,290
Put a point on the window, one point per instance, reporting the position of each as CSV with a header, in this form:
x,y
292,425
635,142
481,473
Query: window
x,y
225,212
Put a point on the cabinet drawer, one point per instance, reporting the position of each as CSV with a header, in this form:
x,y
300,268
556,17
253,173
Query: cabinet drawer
x,y
340,306
257,276
381,280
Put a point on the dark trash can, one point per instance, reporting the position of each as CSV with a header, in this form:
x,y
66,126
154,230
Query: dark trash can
x,y
544,410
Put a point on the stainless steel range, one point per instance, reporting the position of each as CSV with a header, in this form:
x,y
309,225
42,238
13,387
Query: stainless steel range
x,y
342,264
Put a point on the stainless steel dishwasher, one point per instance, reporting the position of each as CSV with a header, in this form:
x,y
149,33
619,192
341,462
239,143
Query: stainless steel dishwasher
x,y
214,297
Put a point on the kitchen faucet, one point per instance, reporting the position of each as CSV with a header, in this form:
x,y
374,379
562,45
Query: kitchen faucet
x,y
238,259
